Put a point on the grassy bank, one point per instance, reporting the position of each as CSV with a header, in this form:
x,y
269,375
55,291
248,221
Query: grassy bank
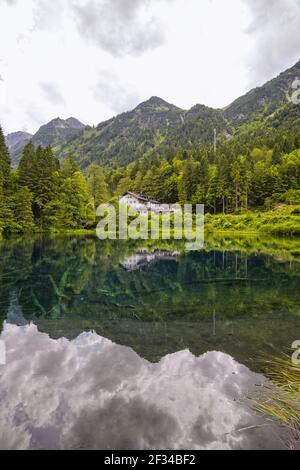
x,y
284,220
281,396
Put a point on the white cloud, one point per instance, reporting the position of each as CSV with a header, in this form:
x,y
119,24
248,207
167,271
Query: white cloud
x,y
116,95
48,15
274,27
191,52
120,27
8,2
51,93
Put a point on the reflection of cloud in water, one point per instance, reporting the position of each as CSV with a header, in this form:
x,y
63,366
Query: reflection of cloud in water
x,y
92,393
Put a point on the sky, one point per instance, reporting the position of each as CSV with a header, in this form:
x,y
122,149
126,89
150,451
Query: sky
x,y
93,59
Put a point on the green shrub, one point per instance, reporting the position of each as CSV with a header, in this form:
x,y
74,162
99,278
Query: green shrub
x,y
296,211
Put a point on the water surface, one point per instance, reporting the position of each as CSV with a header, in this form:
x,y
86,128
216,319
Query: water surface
x,y
176,344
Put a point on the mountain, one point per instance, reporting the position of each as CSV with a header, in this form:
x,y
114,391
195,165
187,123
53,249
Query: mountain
x,y
155,125
73,123
197,128
57,130
152,125
15,142
264,100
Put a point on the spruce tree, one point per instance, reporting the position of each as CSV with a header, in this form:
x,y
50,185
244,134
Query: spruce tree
x,y
4,163
38,170
28,173
44,188
6,214
23,214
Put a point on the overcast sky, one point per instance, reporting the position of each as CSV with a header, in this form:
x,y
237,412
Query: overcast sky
x,y
93,59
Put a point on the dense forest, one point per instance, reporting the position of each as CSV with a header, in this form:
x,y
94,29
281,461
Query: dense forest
x,y
56,181
241,175
42,194
258,168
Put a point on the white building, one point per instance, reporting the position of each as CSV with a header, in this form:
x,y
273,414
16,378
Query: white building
x,y
143,204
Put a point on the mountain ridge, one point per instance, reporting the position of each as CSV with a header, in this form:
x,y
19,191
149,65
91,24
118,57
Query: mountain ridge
x,y
155,123
47,135
264,99
16,141
56,128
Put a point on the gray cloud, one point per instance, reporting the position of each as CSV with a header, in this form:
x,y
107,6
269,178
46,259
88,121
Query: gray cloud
x,y
110,91
51,93
119,27
275,26
8,2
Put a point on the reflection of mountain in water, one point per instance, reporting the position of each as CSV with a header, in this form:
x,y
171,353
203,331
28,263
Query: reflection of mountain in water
x,y
143,258
14,313
92,393
228,300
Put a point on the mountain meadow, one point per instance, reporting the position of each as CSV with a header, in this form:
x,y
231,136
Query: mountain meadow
x,y
242,162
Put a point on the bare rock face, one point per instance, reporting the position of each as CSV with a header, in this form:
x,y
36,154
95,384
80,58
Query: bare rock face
x,y
57,130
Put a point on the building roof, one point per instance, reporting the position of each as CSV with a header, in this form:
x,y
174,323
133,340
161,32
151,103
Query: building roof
x,y
140,197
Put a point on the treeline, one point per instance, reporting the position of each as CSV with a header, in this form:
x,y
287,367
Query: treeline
x,y
42,194
256,169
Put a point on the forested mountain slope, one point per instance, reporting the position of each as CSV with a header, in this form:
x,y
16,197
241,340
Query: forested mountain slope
x,y
155,126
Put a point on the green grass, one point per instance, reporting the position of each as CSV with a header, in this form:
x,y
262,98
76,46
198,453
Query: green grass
x,y
284,220
281,396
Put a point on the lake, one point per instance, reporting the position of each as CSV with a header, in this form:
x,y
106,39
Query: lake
x,y
143,345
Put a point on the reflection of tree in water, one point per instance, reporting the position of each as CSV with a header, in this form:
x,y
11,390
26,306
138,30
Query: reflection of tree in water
x,y
59,276
59,308
73,262
44,273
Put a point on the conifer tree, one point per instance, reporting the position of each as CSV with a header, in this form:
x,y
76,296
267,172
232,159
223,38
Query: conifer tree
x,y
28,172
68,167
97,185
4,163
23,214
